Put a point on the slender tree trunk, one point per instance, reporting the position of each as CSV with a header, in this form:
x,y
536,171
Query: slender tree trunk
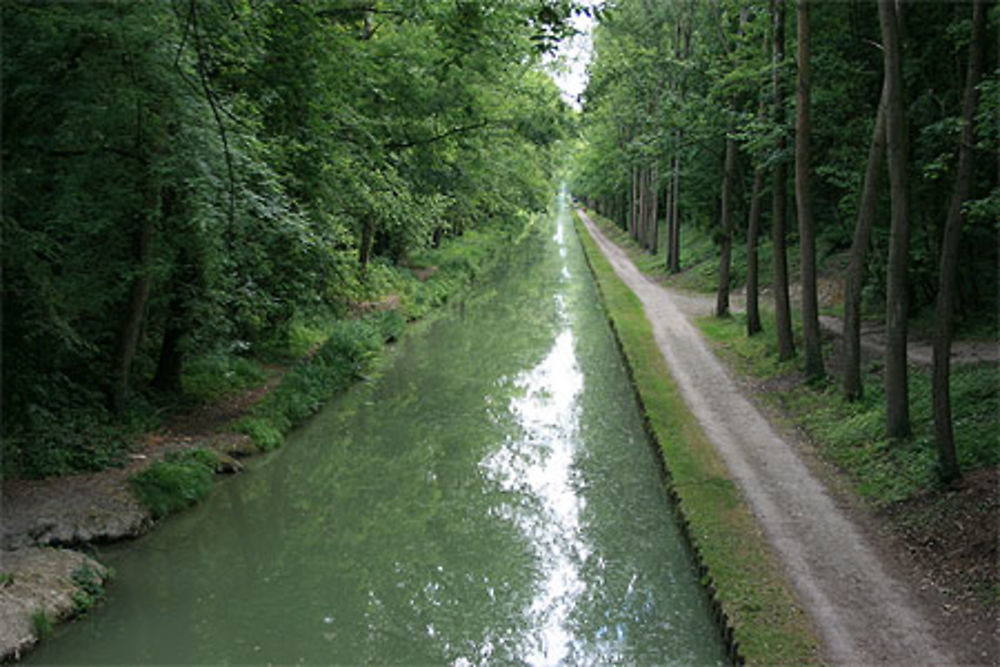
x,y
367,239
654,184
782,311
726,231
634,222
675,219
184,279
803,201
753,272
668,207
854,279
643,207
943,430
128,338
896,390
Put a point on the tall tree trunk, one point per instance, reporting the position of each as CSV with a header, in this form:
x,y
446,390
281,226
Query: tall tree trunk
x,y
753,273
675,219
668,207
367,239
943,430
184,278
854,279
131,326
634,221
654,185
726,231
643,207
782,311
896,390
803,201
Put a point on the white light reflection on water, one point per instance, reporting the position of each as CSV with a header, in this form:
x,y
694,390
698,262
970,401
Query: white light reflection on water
x,y
539,465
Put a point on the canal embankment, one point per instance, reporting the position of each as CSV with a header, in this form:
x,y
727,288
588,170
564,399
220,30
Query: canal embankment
x,y
757,609
857,605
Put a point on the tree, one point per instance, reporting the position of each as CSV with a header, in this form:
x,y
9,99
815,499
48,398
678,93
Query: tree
x,y
944,322
896,388
803,200
782,310
854,276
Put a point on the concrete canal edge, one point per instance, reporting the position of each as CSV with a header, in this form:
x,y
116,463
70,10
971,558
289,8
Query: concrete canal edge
x,y
759,617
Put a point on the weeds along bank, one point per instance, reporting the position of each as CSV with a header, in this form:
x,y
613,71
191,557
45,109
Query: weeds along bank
x,y
162,472
766,623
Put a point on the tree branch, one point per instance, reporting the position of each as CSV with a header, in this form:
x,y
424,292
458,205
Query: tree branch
x,y
410,143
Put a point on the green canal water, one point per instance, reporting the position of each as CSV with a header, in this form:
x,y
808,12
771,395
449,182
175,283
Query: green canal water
x,y
489,497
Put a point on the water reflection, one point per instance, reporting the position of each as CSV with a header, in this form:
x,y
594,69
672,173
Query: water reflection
x,y
540,464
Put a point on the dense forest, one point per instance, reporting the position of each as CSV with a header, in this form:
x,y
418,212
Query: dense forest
x,y
192,182
856,137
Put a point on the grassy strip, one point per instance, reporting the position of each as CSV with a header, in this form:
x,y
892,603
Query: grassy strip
x,y
769,625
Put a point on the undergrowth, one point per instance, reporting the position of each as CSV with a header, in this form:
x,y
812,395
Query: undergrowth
x,y
90,588
352,345
851,434
180,480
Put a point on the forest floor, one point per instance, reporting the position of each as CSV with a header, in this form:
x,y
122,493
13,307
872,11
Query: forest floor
x,y
881,588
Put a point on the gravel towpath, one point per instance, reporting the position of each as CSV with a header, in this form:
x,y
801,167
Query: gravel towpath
x,y
863,614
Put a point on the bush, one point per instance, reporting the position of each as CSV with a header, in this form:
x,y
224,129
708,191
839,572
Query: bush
x,y
90,588
215,375
181,480
262,432
43,626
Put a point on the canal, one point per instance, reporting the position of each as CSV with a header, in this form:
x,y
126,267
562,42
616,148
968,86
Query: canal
x,y
490,496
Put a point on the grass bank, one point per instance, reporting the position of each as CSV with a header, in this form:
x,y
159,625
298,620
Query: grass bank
x,y
768,624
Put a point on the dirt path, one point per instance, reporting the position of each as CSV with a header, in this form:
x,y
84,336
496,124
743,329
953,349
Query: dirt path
x,y
864,615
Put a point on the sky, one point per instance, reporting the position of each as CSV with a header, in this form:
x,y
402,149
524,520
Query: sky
x,y
569,67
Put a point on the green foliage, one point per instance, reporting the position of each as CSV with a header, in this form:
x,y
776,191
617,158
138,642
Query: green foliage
x,y
6,579
217,181
852,434
263,433
181,480
212,376
73,440
42,625
672,81
90,588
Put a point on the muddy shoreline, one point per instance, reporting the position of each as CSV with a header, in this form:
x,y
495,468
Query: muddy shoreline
x,y
48,525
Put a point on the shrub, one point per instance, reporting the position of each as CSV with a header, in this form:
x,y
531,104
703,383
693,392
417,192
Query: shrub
x,y
181,480
43,626
212,376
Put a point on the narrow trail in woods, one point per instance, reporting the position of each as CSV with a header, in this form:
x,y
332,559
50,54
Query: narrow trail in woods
x,y
864,614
